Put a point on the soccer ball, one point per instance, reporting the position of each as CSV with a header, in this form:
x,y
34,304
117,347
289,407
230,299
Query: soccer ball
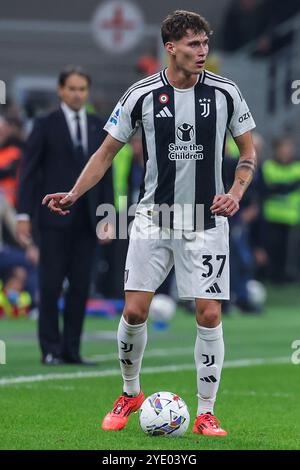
x,y
164,414
257,293
162,308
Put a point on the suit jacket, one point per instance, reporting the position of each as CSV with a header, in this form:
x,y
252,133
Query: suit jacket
x,y
50,165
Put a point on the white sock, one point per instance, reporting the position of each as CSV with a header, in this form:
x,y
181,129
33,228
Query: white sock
x,y
132,340
209,357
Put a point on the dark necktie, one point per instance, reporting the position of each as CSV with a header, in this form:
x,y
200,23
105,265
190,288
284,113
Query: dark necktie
x,y
78,144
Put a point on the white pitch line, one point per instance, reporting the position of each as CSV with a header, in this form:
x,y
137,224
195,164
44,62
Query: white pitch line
x,y
253,393
151,353
145,370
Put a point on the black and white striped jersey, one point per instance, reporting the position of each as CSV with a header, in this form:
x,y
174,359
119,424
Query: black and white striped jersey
x,y
183,133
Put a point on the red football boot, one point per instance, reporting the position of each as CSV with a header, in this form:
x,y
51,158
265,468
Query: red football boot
x,y
123,407
208,425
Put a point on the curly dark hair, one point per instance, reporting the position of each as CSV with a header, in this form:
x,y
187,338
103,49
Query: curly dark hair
x,y
175,25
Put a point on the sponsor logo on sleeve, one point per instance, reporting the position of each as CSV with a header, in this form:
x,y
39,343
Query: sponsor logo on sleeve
x,y
244,117
115,117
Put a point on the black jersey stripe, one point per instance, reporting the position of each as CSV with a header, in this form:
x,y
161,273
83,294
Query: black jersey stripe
x,y
211,77
145,158
205,181
137,86
136,113
164,135
229,100
141,82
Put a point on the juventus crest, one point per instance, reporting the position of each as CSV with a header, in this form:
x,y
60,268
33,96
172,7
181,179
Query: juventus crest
x,y
205,103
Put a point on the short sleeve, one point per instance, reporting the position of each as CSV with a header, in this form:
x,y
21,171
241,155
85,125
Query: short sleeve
x,y
241,120
121,124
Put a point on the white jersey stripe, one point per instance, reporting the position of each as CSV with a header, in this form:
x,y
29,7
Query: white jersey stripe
x,y
184,193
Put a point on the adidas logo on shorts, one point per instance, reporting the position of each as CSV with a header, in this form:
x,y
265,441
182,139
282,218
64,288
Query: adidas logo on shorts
x,y
214,289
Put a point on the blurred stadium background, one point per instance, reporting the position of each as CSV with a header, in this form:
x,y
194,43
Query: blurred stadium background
x,y
255,43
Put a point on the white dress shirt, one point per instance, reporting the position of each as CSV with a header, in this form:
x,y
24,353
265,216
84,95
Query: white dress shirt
x,y
70,116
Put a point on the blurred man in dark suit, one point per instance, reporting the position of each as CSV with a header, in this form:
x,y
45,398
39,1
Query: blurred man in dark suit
x,y
56,152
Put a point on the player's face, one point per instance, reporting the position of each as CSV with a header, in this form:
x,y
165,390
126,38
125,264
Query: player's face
x,y
75,92
190,52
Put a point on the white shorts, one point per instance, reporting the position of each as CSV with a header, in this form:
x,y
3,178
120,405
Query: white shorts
x,y
201,259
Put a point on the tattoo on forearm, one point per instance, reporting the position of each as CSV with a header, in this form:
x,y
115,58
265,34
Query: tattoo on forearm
x,y
247,165
242,182
244,177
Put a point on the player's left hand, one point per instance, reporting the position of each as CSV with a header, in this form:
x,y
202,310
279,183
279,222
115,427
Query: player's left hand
x,y
59,202
225,204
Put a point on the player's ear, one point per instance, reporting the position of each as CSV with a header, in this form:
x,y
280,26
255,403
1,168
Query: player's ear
x,y
170,47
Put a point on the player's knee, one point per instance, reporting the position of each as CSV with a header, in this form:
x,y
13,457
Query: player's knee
x,y
208,316
135,314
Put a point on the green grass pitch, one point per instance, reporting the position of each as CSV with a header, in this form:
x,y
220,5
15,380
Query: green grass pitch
x,y
258,400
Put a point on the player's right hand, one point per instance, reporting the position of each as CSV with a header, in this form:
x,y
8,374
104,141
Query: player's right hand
x,y
59,202
225,205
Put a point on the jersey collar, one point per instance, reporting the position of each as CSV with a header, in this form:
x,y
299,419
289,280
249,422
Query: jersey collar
x,y
166,81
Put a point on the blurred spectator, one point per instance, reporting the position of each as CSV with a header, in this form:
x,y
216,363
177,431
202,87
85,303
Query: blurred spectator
x,y
13,257
11,109
148,64
260,254
14,300
280,192
11,144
